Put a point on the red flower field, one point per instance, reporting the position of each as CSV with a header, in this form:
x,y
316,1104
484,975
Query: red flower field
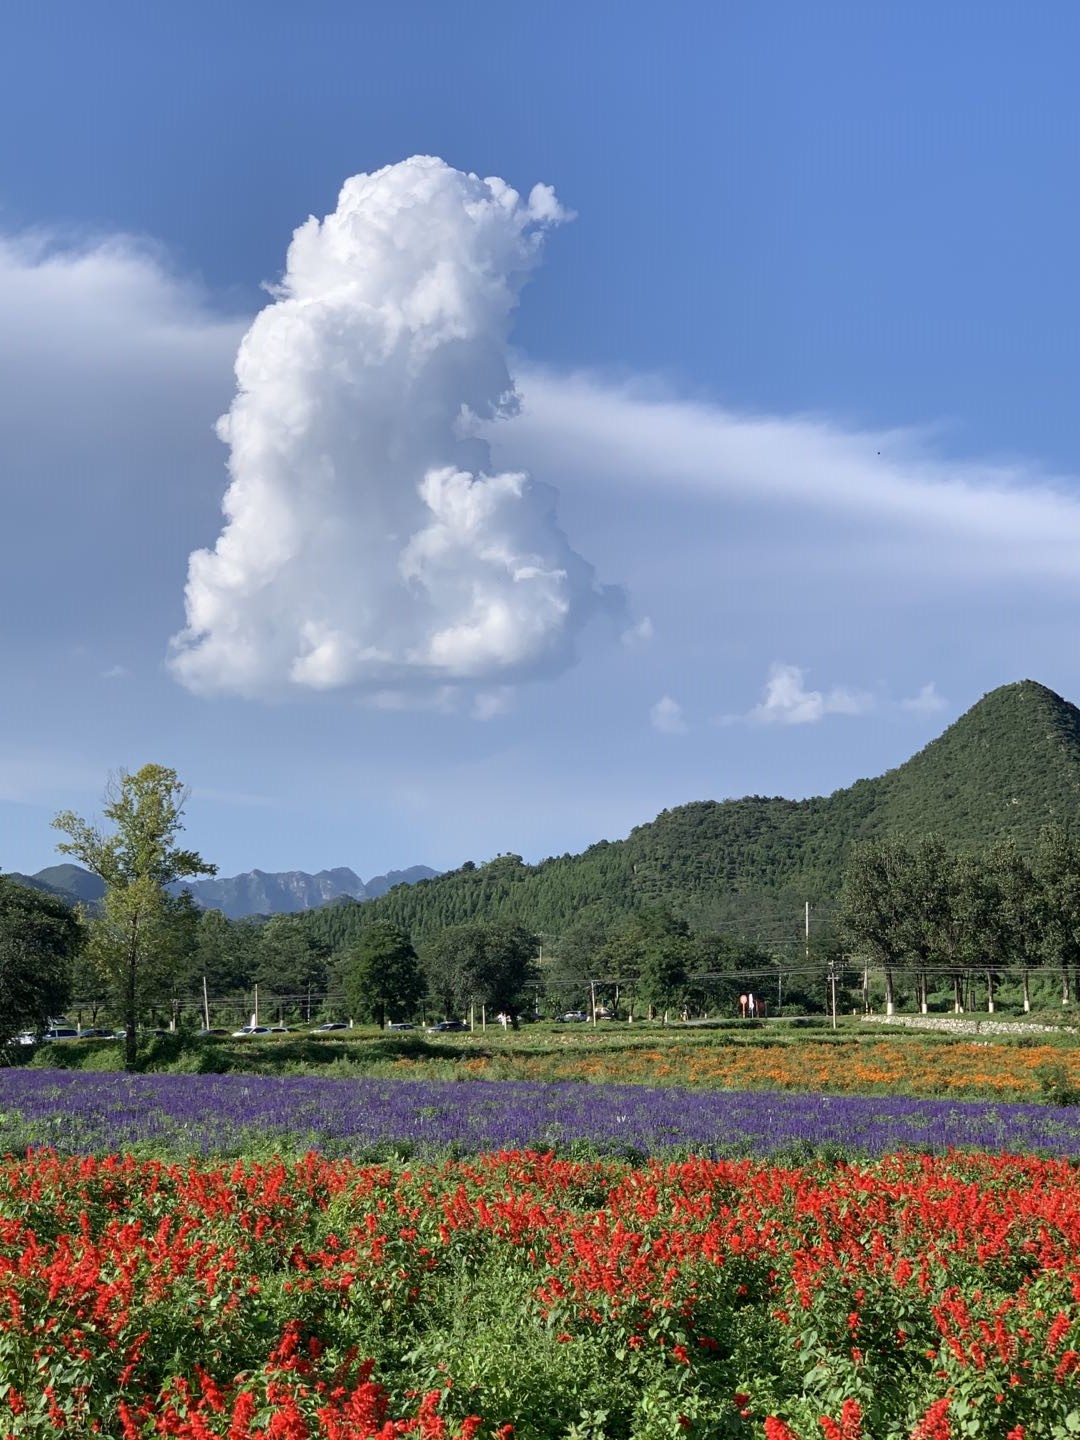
x,y
518,1294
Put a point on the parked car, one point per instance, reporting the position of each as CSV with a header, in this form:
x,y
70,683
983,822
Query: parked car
x,y
215,1032
27,1038
94,1033
330,1025
61,1032
250,1030
280,1030
399,1025
448,1027
573,1017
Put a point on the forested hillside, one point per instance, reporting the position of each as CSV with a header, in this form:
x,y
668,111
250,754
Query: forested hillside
x,y
1007,767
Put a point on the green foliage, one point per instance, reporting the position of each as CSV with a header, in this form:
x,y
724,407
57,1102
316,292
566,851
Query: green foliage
x,y
1004,770
227,953
382,975
1057,1085
481,964
923,906
140,930
40,937
287,961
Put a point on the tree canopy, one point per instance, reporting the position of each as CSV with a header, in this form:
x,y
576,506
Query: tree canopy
x,y
132,938
40,938
382,975
481,964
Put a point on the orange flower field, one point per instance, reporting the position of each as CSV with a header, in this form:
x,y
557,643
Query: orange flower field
x,y
963,1069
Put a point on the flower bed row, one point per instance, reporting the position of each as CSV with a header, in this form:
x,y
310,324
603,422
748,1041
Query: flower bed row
x,y
519,1294
969,1069
80,1112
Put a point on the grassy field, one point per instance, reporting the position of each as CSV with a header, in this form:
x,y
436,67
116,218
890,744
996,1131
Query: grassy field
x,y
856,1059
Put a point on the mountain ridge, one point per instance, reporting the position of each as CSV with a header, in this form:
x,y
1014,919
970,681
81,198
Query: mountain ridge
x,y
1008,766
255,892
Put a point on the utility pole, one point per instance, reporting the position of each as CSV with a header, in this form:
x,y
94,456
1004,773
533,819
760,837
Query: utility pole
x,y
205,1003
832,987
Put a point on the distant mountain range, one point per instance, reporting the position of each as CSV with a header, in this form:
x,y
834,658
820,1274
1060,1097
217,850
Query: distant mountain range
x,y
256,893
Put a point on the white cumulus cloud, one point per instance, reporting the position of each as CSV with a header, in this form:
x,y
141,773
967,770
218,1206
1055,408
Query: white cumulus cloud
x,y
367,541
667,717
787,701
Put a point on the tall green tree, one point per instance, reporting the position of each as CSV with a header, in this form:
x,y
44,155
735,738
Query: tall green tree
x,y
575,959
226,953
1022,915
1056,867
663,976
40,938
174,976
137,860
649,957
288,965
482,963
382,975
937,898
872,907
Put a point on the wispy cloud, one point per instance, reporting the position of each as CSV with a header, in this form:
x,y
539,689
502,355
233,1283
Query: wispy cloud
x,y
640,634
667,717
116,672
927,702
787,701
489,704
1009,517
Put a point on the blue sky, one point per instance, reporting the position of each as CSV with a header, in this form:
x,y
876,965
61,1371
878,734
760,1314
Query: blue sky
x,y
797,374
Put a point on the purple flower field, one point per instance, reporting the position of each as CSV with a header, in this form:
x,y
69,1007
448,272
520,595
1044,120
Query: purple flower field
x,y
84,1112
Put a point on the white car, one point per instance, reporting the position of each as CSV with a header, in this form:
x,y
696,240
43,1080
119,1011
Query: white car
x,y
251,1030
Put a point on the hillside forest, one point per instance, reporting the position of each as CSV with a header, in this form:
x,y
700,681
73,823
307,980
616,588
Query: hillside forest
x,y
951,881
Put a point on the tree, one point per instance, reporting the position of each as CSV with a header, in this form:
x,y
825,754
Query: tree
x,y
40,937
226,953
1017,916
872,906
482,963
137,861
650,954
1056,867
575,959
175,974
1021,912
288,964
382,975
663,979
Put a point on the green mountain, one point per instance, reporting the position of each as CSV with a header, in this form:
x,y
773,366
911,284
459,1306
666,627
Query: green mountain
x,y
1006,767
72,882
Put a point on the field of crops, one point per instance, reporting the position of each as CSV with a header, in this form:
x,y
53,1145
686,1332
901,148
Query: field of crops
x,y
851,1065
521,1294
482,1259
853,1061
76,1112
